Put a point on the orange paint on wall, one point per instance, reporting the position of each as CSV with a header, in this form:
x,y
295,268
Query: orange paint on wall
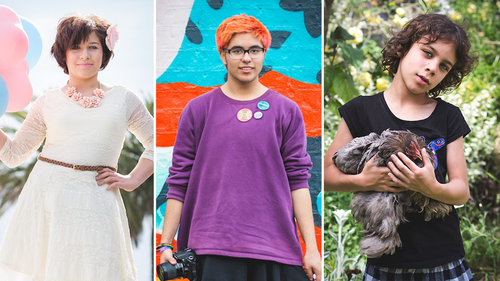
x,y
317,232
171,98
307,96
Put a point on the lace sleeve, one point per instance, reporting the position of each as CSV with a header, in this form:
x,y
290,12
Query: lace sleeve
x,y
141,124
27,139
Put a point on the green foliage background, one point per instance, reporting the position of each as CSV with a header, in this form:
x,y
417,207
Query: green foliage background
x,y
355,32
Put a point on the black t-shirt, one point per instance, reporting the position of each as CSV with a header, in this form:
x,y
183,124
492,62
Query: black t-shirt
x,y
425,244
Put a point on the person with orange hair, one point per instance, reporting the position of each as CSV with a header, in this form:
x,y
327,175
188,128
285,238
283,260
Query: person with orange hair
x,y
239,175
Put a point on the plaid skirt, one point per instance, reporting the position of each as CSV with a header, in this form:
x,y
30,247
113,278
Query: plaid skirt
x,y
453,271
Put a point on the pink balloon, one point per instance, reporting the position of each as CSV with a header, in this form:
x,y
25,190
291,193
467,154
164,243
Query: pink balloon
x,y
19,86
7,15
14,41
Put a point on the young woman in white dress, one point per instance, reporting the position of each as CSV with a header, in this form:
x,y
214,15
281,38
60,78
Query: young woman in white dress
x,y
70,221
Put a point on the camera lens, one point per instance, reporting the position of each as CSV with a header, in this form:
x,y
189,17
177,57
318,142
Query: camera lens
x,y
167,271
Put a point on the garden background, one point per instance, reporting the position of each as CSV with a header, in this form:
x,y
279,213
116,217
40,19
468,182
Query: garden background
x,y
355,32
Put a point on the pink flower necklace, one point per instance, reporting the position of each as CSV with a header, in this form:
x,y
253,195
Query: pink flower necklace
x,y
86,102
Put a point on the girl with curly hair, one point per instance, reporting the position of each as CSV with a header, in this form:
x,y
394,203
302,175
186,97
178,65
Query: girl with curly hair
x,y
429,56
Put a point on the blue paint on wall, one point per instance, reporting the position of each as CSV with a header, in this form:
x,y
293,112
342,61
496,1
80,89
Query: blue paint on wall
x,y
314,150
312,13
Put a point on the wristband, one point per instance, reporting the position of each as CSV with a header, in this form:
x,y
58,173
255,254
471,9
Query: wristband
x,y
163,246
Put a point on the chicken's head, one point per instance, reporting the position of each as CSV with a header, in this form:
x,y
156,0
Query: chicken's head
x,y
413,151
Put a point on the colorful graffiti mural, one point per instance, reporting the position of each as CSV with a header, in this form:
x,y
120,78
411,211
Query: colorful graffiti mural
x,y
292,67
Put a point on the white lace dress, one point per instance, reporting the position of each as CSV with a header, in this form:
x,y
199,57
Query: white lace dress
x,y
65,227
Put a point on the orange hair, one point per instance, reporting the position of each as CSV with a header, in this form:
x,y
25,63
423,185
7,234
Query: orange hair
x,y
241,24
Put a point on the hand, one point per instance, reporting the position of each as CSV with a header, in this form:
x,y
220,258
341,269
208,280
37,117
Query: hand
x,y
115,180
312,265
166,256
407,174
376,178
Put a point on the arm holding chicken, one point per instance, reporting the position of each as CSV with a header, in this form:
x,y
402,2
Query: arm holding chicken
x,y
372,177
408,175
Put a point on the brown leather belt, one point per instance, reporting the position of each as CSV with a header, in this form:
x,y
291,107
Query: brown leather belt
x,y
75,167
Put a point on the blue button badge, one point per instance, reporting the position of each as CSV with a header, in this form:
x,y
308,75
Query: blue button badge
x,y
263,105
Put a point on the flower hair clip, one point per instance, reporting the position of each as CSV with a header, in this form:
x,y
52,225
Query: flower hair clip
x,y
111,37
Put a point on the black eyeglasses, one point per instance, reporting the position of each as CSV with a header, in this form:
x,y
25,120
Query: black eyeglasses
x,y
238,53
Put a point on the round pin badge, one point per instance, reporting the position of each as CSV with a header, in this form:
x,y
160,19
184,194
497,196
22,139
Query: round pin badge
x,y
263,105
244,115
257,115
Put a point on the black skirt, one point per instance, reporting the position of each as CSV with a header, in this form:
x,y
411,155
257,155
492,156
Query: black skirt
x,y
223,268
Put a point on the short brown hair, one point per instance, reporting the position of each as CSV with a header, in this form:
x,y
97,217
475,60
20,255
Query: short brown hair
x,y
431,27
75,29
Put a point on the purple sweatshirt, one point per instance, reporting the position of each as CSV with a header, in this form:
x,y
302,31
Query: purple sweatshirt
x,y
235,178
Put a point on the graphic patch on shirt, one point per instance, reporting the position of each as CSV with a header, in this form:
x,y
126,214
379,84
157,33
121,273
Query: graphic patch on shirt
x,y
434,146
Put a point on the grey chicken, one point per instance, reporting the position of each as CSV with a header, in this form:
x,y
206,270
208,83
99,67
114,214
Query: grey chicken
x,y
382,212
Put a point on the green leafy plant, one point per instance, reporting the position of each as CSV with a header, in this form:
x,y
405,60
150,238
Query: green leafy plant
x,y
481,238
341,260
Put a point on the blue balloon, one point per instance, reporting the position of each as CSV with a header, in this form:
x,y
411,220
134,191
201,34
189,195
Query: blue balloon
x,y
35,42
4,96
319,203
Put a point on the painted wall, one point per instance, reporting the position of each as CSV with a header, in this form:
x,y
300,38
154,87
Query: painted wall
x,y
189,65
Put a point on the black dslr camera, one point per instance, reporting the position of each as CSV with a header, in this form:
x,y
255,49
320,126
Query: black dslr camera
x,y
186,266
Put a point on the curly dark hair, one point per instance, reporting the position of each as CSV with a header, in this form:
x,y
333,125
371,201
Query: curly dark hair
x,y
432,27
75,29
